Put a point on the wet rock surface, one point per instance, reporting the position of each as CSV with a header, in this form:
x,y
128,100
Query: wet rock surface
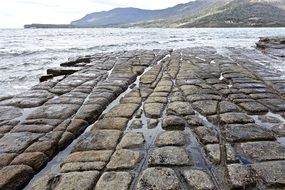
x,y
158,178
114,180
272,45
162,119
193,178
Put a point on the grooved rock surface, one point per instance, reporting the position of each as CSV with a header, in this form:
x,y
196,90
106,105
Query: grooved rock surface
x,y
158,178
191,118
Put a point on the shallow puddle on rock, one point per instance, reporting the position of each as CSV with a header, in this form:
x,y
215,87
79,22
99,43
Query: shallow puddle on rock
x,y
195,149
206,122
54,165
268,125
25,113
221,77
109,72
281,140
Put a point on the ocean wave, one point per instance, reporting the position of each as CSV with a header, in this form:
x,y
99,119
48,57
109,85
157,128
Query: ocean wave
x,y
22,52
80,49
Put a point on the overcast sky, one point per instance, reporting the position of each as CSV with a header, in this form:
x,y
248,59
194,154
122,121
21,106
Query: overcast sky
x,y
16,13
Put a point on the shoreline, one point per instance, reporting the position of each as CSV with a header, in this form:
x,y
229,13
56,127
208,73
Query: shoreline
x,y
118,116
201,27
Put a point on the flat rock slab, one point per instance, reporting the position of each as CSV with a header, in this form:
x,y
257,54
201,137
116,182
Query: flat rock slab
x,y
240,176
82,166
264,150
152,123
89,156
248,132
206,107
123,110
134,100
13,177
8,113
226,106
199,97
214,152
73,180
234,118
111,123
163,88
179,109
206,135
77,126
269,119
63,70
17,142
156,99
169,155
158,179
159,94
155,135
124,159
54,111
173,123
136,124
98,140
33,159
273,172
279,129
253,107
33,128
66,100
114,181
274,104
198,179
131,140
171,138
35,94
6,158
153,110
193,120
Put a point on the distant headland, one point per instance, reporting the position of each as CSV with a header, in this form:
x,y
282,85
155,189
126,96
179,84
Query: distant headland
x,y
50,26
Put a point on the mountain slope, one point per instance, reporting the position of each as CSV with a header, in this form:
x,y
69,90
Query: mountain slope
x,y
244,13
129,16
114,17
199,13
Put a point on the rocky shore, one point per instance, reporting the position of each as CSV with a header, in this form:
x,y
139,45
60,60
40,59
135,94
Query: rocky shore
x,y
272,45
161,119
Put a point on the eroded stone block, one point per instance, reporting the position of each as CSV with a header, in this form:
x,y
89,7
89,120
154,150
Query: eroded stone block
x,y
15,177
273,172
17,142
263,150
131,140
114,181
198,179
169,155
240,176
98,140
36,160
153,110
172,138
158,179
111,123
124,159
